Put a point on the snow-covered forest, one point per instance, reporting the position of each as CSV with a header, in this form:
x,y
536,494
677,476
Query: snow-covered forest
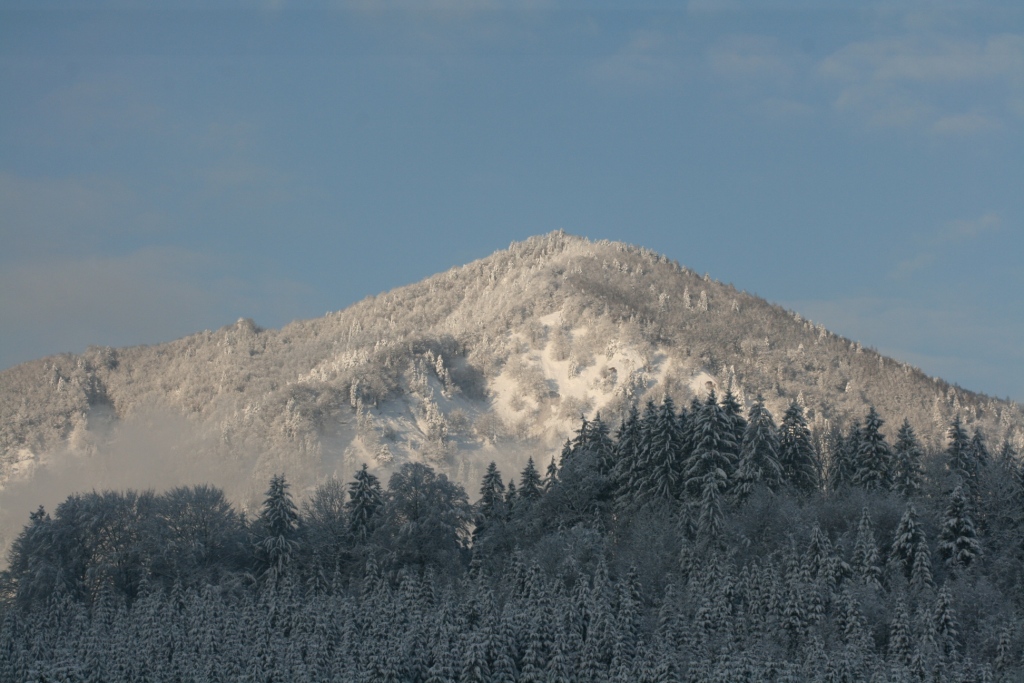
x,y
687,543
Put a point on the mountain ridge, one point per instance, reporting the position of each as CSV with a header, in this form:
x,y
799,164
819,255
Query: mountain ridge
x,y
496,359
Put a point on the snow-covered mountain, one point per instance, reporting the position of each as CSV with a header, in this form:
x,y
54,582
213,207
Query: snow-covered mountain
x,y
494,360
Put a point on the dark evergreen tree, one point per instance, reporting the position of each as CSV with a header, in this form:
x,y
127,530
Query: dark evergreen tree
x,y
662,457
734,414
759,452
961,458
531,487
550,476
277,530
873,466
958,540
865,553
907,454
366,498
797,456
844,458
709,465
910,549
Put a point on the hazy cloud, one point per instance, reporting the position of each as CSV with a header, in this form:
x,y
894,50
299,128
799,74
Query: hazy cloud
x,y
911,79
951,233
647,59
147,296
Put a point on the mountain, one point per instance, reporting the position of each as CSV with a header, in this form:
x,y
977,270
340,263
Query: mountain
x,y
494,360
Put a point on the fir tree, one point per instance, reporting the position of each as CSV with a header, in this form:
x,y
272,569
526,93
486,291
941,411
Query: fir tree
x,y
663,457
365,500
707,472
844,458
550,476
278,523
873,469
958,540
909,545
627,471
759,452
907,453
945,629
865,553
961,458
530,485
796,454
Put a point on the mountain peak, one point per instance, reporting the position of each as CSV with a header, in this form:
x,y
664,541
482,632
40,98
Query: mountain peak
x,y
494,360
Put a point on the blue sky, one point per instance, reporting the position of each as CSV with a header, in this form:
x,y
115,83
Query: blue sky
x,y
166,171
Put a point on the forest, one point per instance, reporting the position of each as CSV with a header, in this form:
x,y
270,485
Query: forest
x,y
693,543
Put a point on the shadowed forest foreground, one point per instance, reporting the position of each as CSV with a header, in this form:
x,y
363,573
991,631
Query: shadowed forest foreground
x,y
693,545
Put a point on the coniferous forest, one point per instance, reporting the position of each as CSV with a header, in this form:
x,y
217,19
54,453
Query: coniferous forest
x,y
689,543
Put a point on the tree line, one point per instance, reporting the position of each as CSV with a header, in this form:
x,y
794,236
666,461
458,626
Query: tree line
x,y
692,544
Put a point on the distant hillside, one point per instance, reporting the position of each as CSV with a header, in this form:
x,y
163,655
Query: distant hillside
x,y
496,360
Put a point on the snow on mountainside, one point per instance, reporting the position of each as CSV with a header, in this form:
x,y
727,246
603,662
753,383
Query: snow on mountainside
x,y
495,360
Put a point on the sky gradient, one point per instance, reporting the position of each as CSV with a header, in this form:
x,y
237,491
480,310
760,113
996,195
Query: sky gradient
x,y
168,171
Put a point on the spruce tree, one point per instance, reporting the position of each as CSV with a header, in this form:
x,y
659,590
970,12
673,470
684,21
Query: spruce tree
x,y
627,457
873,466
707,471
961,461
797,455
907,544
759,452
865,553
844,458
734,414
365,500
958,540
278,523
663,457
907,454
530,485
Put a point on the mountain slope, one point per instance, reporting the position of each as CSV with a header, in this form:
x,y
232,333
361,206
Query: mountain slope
x,y
493,360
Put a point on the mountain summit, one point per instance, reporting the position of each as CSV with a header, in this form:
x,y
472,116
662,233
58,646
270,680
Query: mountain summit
x,y
494,360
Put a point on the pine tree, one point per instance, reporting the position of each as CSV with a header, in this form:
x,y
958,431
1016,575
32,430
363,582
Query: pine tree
x,y
279,523
961,459
900,636
909,545
907,453
530,485
945,629
844,458
663,457
958,540
759,452
865,553
734,414
365,500
707,472
797,455
550,476
627,472
873,466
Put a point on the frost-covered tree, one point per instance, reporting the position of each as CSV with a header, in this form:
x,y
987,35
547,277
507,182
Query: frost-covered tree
x,y
961,459
759,452
277,530
958,540
710,463
873,464
865,559
663,457
531,486
797,456
366,498
910,551
907,454
843,466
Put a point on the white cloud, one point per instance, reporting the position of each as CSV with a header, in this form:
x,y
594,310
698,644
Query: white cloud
x,y
916,79
647,59
950,234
